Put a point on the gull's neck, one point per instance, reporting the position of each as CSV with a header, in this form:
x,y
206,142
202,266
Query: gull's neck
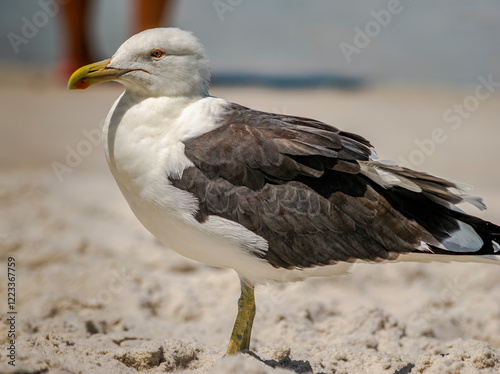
x,y
197,90
141,130
133,96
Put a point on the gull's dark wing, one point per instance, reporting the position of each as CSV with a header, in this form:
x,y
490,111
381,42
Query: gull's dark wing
x,y
313,193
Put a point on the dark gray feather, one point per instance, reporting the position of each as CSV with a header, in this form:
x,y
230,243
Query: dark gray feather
x,y
297,183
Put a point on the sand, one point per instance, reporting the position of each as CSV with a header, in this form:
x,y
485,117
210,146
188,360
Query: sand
x,y
96,293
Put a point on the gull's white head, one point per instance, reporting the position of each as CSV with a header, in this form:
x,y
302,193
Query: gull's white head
x,y
156,62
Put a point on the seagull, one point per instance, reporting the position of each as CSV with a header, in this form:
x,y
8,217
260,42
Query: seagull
x,y
275,197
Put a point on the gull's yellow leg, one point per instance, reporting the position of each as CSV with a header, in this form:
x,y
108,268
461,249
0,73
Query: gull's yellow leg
x,y
245,343
242,330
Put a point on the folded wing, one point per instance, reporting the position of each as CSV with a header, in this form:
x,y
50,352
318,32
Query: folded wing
x,y
317,196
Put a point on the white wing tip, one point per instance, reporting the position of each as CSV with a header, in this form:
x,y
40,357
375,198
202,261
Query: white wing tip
x,y
373,155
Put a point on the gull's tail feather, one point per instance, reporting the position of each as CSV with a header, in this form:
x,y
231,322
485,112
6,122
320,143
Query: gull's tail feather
x,y
453,235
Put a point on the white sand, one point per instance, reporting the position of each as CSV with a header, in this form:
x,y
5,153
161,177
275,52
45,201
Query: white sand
x,y
97,294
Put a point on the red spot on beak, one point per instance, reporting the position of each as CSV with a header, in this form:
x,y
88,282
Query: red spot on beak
x,y
82,85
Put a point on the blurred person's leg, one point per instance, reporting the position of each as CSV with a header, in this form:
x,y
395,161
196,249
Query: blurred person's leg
x,y
151,13
76,51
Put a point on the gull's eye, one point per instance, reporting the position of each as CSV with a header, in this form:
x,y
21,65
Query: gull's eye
x,y
157,53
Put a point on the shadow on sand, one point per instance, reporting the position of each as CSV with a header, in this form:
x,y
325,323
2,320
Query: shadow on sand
x,y
304,367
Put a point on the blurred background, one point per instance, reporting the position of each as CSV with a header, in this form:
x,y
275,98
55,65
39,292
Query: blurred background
x,y
419,79
424,42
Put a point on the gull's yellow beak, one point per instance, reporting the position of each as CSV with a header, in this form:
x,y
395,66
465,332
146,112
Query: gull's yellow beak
x,y
97,72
